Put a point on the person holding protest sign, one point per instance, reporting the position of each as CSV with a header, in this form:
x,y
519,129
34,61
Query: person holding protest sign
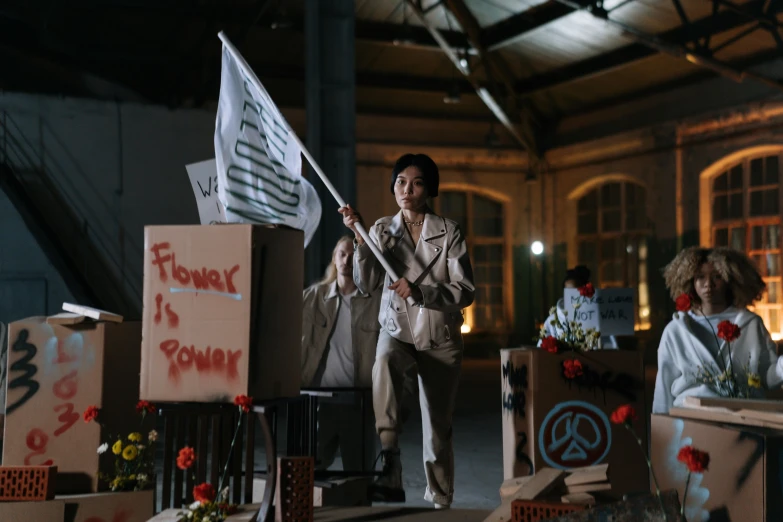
x,y
430,253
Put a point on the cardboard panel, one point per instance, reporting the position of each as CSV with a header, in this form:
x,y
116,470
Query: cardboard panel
x,y
222,312
49,511
743,481
550,421
57,371
131,506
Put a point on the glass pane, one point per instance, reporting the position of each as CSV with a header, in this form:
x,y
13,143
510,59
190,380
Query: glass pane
x,y
770,202
773,265
587,254
773,292
757,203
610,195
772,169
720,208
495,253
496,295
611,221
488,227
758,260
721,237
756,172
735,205
757,238
495,274
588,223
481,273
611,248
773,236
480,296
774,320
611,272
721,182
589,202
479,254
738,238
735,178
487,217
453,205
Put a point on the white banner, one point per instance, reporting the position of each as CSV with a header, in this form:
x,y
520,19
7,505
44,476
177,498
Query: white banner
x,y
259,164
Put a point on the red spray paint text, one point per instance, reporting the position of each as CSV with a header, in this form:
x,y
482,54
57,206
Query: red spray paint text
x,y
184,358
202,278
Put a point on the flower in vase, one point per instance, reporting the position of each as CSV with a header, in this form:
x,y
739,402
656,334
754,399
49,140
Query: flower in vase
x,y
134,437
204,492
754,380
153,436
697,461
130,452
144,407
103,448
186,458
550,344
117,447
244,402
91,413
623,414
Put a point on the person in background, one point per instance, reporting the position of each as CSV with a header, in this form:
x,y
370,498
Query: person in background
x,y
576,277
430,255
339,335
712,288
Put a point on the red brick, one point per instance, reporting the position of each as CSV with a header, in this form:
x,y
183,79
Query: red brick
x,y
27,482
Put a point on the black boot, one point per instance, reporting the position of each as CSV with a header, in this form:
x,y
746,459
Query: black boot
x,y
388,487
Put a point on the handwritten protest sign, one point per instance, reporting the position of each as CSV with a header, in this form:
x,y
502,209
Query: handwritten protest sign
x,y
203,179
610,310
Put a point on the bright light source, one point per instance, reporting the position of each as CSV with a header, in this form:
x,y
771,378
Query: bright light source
x,y
463,62
777,336
465,328
644,311
537,248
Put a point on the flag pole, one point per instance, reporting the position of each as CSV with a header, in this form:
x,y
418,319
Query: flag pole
x,y
340,201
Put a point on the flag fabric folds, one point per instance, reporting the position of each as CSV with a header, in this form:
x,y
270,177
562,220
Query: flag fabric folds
x,y
259,163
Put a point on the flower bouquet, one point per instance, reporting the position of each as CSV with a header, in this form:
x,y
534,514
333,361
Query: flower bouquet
x,y
134,457
207,506
570,333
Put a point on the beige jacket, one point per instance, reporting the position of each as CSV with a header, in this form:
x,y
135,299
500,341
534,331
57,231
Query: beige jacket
x,y
321,302
439,265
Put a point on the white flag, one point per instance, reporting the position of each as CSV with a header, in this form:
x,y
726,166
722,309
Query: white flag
x,y
259,164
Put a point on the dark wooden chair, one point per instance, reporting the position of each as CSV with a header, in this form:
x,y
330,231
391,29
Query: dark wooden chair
x,y
209,429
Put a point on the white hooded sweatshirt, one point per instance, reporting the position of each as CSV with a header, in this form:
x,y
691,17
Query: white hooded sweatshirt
x,y
681,353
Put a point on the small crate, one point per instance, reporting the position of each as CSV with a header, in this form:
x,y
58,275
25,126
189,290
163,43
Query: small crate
x,y
296,480
27,482
536,510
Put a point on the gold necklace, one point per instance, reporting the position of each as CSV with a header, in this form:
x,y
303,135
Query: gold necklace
x,y
414,223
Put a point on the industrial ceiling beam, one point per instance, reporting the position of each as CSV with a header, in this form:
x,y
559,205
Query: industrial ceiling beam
x,y
507,31
699,29
696,57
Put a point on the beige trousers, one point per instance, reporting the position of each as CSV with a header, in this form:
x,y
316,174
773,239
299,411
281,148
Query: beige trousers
x,y
438,371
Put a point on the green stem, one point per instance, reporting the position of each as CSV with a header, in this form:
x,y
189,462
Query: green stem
x,y
228,457
649,466
685,495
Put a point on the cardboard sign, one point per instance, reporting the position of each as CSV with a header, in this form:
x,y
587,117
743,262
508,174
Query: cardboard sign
x,y
552,421
204,180
53,510
55,373
610,310
222,312
743,481
131,506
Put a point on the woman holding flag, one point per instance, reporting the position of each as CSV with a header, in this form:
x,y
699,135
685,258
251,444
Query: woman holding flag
x,y
420,318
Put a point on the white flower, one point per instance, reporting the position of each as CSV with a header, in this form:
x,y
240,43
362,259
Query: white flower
x,y
102,448
140,446
195,505
141,477
153,436
224,494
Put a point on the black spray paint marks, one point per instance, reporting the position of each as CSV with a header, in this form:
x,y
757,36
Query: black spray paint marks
x,y
520,452
23,365
514,401
620,383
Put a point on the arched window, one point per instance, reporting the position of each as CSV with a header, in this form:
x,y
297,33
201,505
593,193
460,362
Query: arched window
x,y
482,221
746,205
612,229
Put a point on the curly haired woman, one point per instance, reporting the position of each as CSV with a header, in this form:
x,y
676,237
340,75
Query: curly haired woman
x,y
712,286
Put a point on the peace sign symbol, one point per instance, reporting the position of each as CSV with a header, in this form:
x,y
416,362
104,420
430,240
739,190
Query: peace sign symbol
x,y
574,434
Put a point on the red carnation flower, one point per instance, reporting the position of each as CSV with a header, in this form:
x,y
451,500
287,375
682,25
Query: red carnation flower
x,y
142,406
186,458
683,303
572,368
91,413
728,331
244,402
587,291
697,461
623,414
204,492
550,344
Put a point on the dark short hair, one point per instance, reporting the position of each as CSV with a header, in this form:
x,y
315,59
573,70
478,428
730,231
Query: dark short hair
x,y
579,274
427,167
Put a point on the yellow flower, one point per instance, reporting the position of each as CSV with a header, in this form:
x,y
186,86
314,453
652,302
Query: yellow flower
x,y
130,453
116,483
132,477
754,381
117,448
134,437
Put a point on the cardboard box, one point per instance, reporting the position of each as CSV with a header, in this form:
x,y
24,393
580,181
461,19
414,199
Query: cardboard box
x,y
551,421
222,312
744,480
48,511
130,506
55,373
